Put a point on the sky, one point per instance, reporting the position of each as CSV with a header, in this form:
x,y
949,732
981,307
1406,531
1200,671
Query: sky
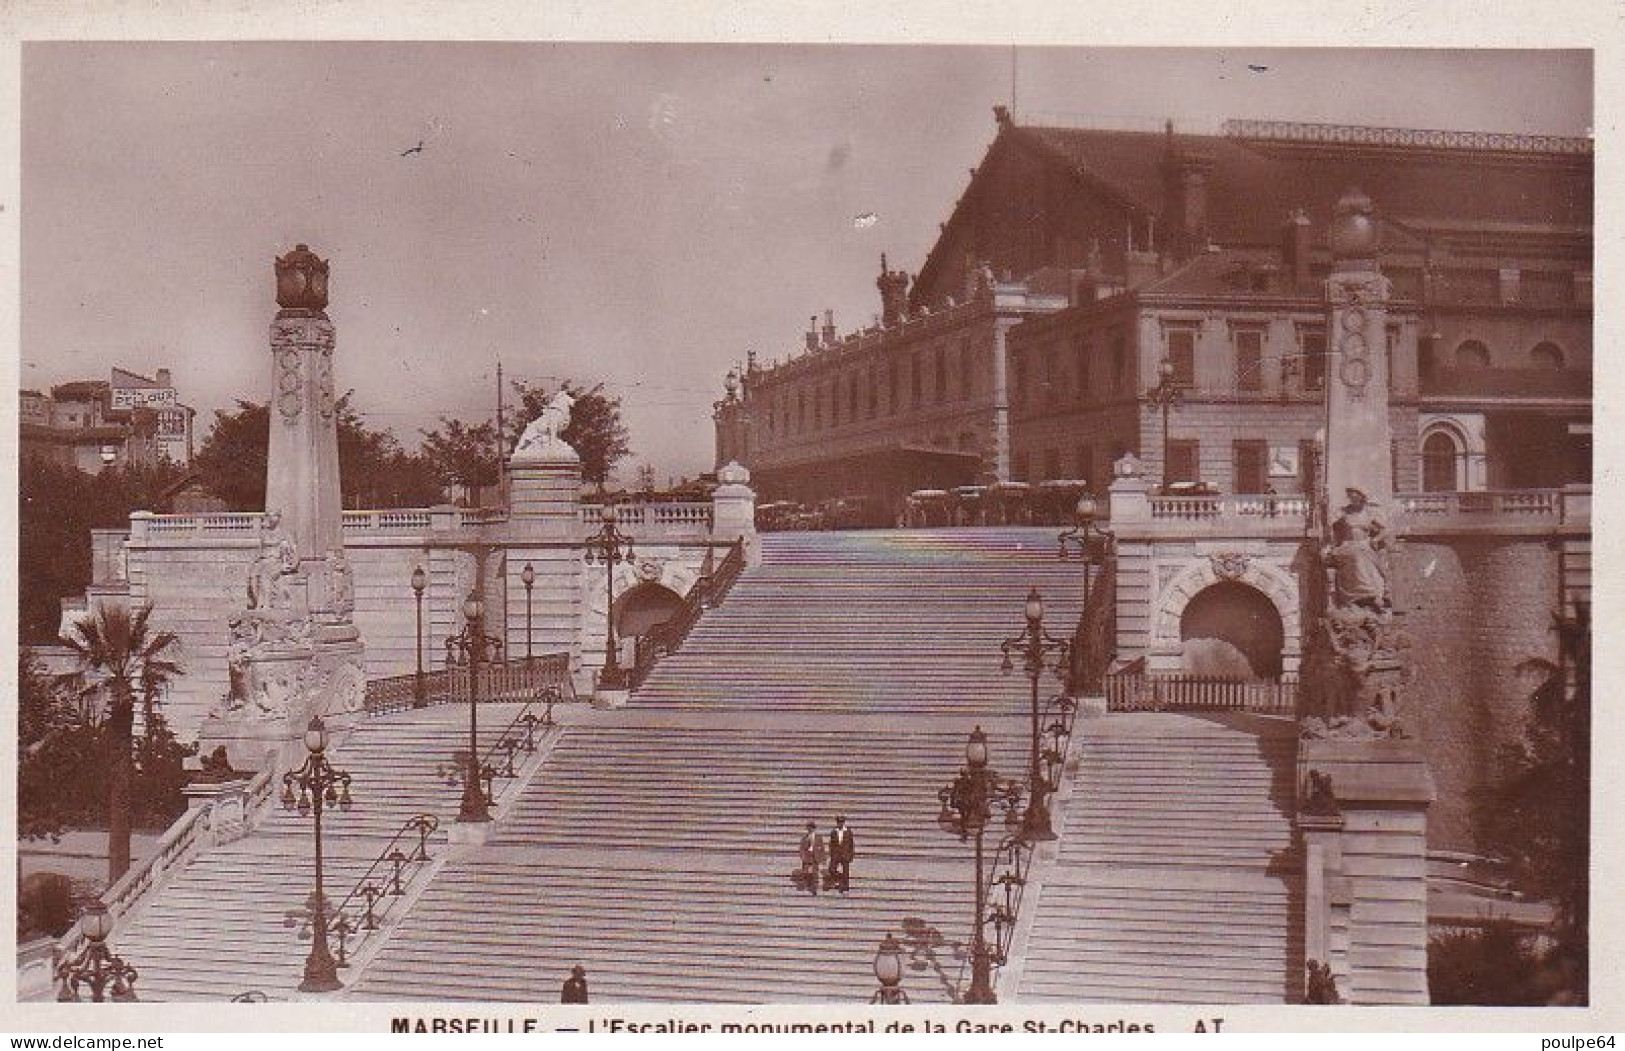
x,y
640,215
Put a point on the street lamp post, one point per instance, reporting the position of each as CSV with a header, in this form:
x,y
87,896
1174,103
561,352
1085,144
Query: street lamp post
x,y
889,973
1034,646
95,966
474,647
609,547
320,785
1166,394
420,580
967,804
527,577
1083,537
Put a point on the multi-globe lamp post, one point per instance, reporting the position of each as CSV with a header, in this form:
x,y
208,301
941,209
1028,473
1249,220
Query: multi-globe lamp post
x,y
94,967
1087,538
320,785
1036,648
967,805
609,547
889,973
473,647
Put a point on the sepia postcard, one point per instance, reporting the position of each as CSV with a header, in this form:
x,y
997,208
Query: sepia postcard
x,y
933,522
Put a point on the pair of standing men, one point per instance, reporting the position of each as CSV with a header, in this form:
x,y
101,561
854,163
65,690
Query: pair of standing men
x,y
838,875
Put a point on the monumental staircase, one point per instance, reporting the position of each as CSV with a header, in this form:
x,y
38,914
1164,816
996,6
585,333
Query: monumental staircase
x,y
655,844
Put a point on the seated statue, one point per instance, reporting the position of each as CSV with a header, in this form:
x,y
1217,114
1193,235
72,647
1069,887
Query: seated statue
x,y
547,428
1356,555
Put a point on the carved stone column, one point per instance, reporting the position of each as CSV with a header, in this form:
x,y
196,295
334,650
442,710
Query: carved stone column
x,y
1364,786
294,649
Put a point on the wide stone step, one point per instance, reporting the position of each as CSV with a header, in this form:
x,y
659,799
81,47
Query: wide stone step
x,y
736,934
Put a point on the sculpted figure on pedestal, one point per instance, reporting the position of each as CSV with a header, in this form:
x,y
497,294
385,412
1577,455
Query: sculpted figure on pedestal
x,y
340,584
1360,540
546,429
278,557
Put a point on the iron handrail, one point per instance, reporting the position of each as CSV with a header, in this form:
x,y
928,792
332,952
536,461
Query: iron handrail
x,y
511,739
339,922
668,636
1013,857
397,692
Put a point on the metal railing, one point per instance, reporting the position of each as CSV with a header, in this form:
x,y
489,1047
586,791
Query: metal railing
x,y
1013,858
520,734
1136,692
360,913
667,637
518,678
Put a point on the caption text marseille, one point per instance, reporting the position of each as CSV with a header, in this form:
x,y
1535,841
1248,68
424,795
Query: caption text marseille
x,y
626,1025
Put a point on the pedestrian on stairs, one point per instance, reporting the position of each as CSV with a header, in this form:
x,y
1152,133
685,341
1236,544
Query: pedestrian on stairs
x,y
575,986
840,856
812,857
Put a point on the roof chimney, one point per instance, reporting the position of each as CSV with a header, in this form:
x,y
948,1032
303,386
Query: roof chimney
x,y
1295,247
893,285
829,328
1185,173
812,333
163,378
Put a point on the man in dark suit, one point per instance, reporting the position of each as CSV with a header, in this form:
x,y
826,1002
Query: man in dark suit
x,y
840,856
575,986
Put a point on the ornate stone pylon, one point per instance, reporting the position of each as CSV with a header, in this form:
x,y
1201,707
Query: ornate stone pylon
x,y
1354,670
1365,786
294,650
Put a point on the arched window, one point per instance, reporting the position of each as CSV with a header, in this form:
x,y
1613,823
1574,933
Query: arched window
x,y
1472,355
1441,457
1546,355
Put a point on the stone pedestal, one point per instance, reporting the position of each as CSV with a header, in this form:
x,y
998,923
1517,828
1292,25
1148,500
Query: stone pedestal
x,y
468,833
1130,492
1364,827
227,806
733,511
544,492
610,698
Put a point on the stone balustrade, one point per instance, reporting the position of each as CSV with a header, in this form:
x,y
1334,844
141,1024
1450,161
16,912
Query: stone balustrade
x,y
669,519
665,519
1190,508
1419,510
218,816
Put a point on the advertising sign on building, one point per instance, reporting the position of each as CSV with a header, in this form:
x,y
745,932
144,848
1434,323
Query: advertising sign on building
x,y
143,397
172,424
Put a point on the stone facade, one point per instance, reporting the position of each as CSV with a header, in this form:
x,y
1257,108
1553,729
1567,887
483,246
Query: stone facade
x,y
1125,249
193,570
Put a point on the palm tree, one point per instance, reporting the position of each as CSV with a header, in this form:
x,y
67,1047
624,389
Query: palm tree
x,y
120,653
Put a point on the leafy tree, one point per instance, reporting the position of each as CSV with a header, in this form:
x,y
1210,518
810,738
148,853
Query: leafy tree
x,y
373,468
232,458
119,651
1537,813
62,769
462,454
1493,967
595,430
46,756
58,506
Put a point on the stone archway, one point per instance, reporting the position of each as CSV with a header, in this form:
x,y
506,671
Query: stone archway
x,y
644,606
1231,631
1278,586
